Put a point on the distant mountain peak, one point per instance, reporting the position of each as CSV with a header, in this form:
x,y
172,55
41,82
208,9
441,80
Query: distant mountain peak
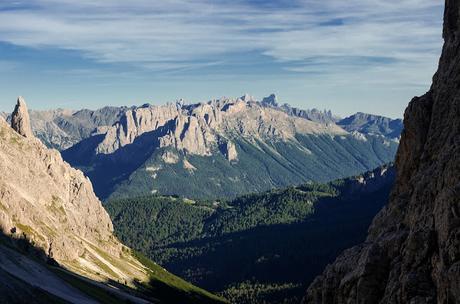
x,y
371,124
248,98
197,128
271,100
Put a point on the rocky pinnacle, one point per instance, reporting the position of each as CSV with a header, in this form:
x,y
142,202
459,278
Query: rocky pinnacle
x,y
20,121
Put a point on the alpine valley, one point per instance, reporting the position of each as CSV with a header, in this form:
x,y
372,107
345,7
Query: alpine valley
x,y
238,200
202,189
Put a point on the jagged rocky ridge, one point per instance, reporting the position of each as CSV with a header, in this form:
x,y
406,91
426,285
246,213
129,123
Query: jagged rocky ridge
x,y
52,207
199,128
222,148
412,252
63,128
184,149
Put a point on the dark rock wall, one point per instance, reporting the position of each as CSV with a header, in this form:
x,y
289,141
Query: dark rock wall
x,y
412,253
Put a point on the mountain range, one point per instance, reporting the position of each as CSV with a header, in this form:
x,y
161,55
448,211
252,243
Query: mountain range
x,y
54,224
56,239
58,244
217,149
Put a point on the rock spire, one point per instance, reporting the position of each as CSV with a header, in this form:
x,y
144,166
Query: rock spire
x,y
20,121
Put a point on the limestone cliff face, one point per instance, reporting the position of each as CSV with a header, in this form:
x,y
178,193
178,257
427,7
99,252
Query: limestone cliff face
x,y
412,253
197,129
133,124
53,205
229,135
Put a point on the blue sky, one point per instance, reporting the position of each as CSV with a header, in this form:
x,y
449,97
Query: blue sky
x,y
348,56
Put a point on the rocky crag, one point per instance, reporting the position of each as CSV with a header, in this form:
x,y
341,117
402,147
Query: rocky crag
x,y
63,128
200,128
412,253
258,144
53,205
223,148
48,210
20,120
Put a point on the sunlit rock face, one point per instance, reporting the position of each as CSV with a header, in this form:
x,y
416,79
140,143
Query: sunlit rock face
x,y
198,128
223,148
20,121
46,201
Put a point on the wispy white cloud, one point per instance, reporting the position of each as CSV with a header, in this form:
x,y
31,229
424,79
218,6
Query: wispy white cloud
x,y
308,36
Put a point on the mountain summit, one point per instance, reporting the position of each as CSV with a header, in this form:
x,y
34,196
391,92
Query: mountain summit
x,y
271,100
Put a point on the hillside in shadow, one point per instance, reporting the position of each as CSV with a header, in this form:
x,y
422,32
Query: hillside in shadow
x,y
29,275
261,248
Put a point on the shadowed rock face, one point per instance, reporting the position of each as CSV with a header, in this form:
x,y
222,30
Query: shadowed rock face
x,y
20,121
412,253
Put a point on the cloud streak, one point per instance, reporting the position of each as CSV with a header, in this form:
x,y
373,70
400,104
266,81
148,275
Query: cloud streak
x,y
354,54
182,32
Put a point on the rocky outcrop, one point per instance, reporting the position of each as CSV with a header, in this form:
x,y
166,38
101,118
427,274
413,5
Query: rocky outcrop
x,y
235,146
62,128
412,253
368,182
197,129
20,121
134,123
54,207
229,150
324,117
